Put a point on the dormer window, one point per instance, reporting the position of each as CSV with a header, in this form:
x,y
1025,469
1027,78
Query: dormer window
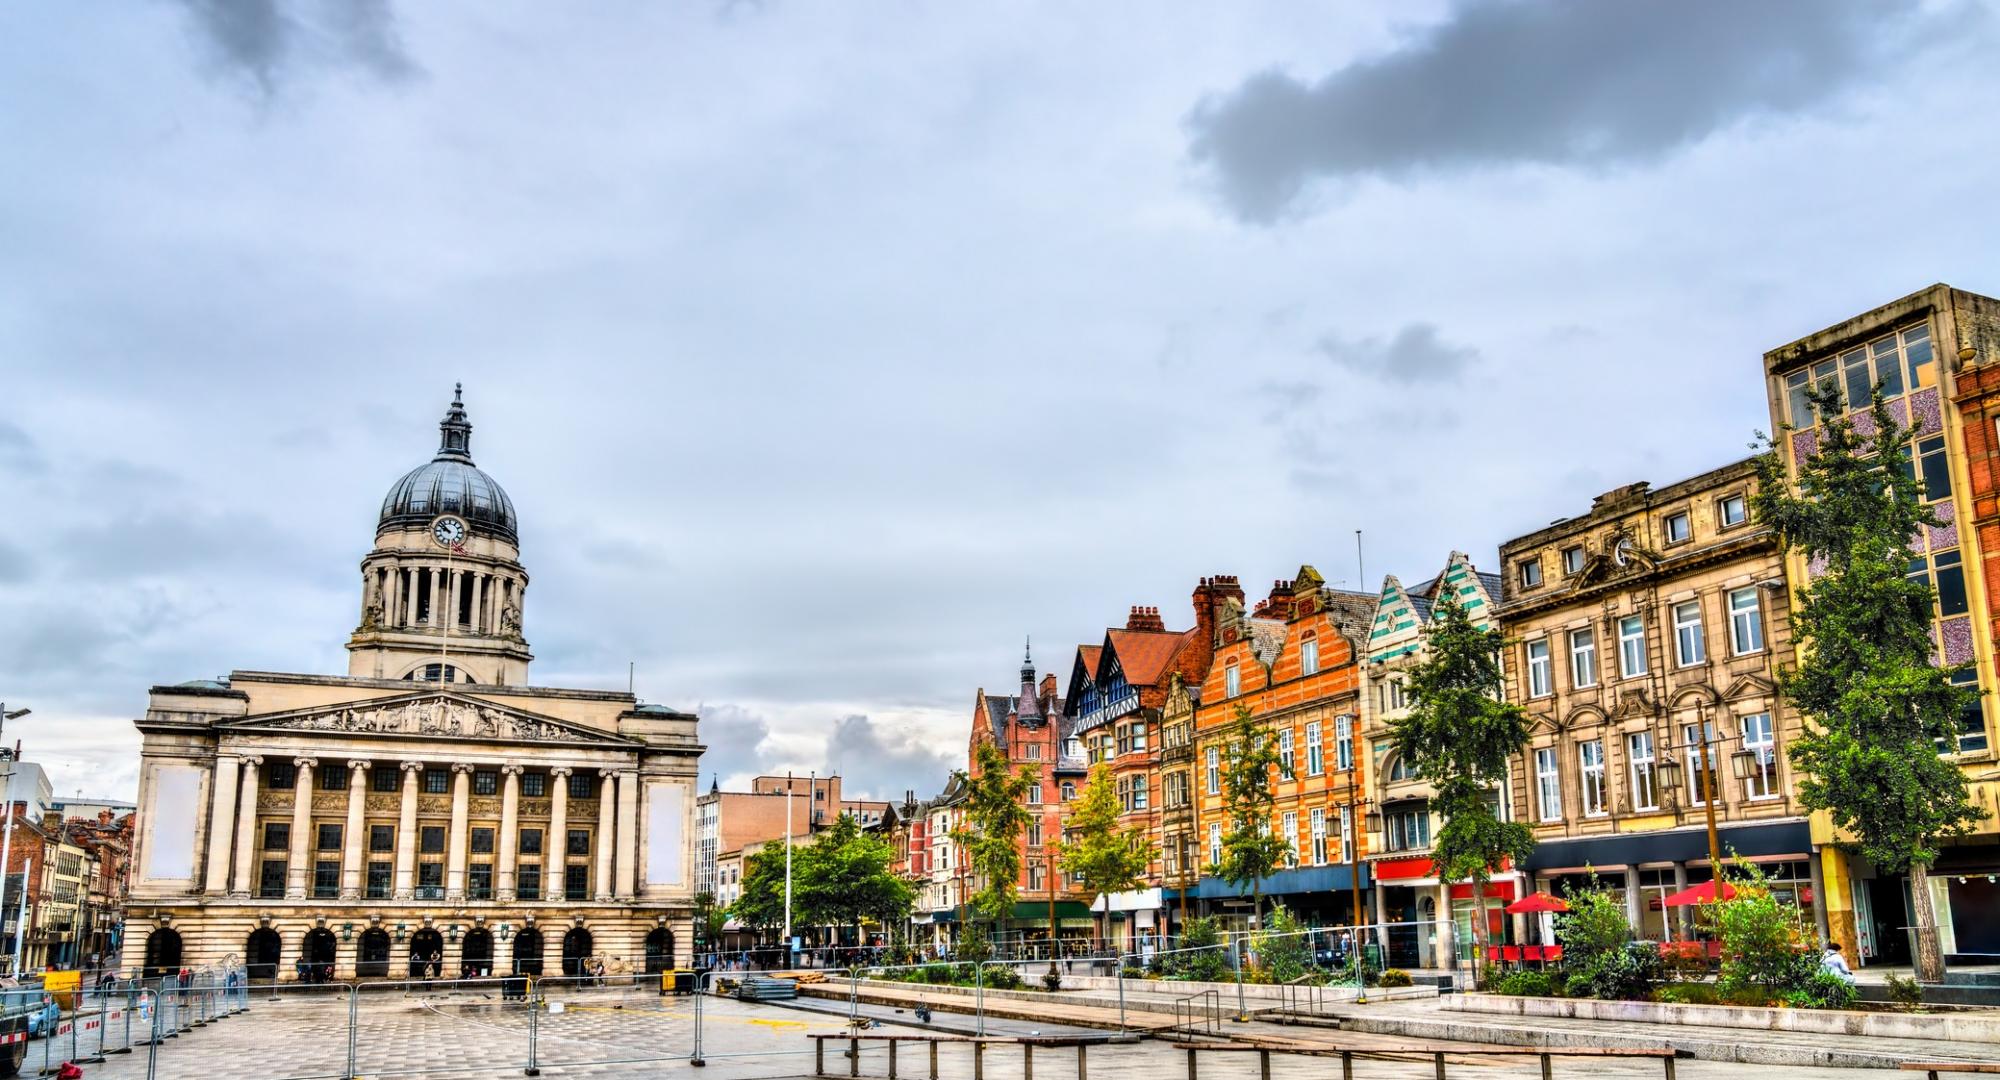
x,y
1232,680
1573,560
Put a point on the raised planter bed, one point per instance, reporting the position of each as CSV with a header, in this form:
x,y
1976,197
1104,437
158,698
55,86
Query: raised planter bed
x,y
1951,1027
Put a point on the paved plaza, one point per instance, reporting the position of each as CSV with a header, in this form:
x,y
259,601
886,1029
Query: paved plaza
x,y
624,1034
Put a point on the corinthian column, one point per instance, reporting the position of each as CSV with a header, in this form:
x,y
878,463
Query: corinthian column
x,y
221,826
510,828
555,846
297,872
351,848
461,804
246,830
406,832
607,810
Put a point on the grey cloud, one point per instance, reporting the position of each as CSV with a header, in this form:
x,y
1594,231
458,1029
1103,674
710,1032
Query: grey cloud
x,y
16,565
735,738
1561,82
18,452
262,39
878,763
1415,355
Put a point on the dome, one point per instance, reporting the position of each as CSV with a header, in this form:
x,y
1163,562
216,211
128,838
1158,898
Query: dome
x,y
450,484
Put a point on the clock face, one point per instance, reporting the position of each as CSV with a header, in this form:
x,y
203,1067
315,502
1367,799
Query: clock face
x,y
448,531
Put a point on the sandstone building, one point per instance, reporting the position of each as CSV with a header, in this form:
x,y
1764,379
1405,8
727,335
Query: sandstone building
x,y
427,807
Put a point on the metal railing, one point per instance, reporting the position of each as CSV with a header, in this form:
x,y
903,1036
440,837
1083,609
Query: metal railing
x,y
1199,1013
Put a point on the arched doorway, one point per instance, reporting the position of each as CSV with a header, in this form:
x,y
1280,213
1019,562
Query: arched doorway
x,y
528,952
163,952
318,952
476,955
659,950
371,960
426,945
576,948
262,953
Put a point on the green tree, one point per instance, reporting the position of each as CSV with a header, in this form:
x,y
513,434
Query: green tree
x,y
1251,851
995,817
1877,710
762,902
843,877
1103,857
1460,734
708,921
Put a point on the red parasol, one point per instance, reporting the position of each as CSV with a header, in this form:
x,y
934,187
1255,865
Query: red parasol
x,y
1535,903
1703,893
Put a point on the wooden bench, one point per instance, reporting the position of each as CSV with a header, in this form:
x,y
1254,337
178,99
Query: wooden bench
x,y
1027,1043
1264,1048
1936,1067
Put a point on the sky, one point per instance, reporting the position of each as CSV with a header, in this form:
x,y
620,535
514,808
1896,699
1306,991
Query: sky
x,y
829,351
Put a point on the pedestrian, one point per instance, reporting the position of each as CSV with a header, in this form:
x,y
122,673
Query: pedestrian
x,y
1834,964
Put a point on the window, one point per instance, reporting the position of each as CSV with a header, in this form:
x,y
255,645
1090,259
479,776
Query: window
x,y
1317,823
1732,510
1583,658
379,876
1036,873
531,841
1214,843
582,786
326,880
281,775
277,836
1034,794
1174,788
1072,747
430,881
1531,573
1347,851
1573,561
1213,778
1401,769
271,879
1068,790
381,838
328,838
1033,751
1539,683
485,783
1343,742
576,882
528,881
1676,528
1758,739
437,782
1309,655
1141,785
1232,680
1035,833
1548,784
1285,752
578,842
1945,574
482,840
430,839
534,785
1632,646
1689,646
1639,752
1746,626
1971,719
1407,828
1315,756
1697,781
384,780
1138,738
1590,755
332,778
479,881
1856,372
1392,695
1291,838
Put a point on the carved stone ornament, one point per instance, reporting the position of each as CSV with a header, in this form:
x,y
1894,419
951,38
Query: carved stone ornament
x,y
438,715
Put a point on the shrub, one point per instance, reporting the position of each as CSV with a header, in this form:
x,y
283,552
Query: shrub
x,y
1683,961
1761,945
1686,993
1052,979
1283,953
1907,993
1211,963
1622,974
1001,977
1395,977
937,974
1822,990
1524,984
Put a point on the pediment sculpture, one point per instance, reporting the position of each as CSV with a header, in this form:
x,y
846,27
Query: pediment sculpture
x,y
444,717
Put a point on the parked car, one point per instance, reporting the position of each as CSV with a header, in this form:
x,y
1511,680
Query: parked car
x,y
25,1009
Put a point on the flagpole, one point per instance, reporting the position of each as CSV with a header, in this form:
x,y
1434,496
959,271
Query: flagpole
x,y
788,868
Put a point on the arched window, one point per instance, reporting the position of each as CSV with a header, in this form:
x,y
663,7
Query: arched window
x,y
1401,769
429,673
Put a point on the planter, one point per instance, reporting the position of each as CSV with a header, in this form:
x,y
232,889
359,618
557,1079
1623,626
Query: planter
x,y
1948,1027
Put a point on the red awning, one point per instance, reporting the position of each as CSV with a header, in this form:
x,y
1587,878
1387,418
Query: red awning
x,y
1535,903
1703,893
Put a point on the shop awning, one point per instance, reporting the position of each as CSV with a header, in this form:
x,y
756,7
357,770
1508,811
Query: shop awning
x,y
1305,879
1674,845
1027,911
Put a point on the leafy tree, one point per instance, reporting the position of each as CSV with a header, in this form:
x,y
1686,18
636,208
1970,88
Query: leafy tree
x,y
1877,709
709,920
1284,951
1105,858
843,877
1460,735
762,903
995,817
1251,852
1600,959
1202,958
1763,952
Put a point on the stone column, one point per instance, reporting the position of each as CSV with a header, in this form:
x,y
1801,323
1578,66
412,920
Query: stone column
x,y
510,828
351,846
628,835
221,825
607,810
409,582
246,830
555,846
1682,929
455,845
406,832
478,586
392,589
297,874
1633,907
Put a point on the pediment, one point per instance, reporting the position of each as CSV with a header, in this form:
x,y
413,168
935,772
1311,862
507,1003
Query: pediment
x,y
1633,703
428,715
1750,686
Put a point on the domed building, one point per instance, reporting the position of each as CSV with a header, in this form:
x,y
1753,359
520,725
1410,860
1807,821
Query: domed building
x,y
429,811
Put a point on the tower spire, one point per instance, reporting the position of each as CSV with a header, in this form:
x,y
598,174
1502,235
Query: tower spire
x,y
455,441
1031,701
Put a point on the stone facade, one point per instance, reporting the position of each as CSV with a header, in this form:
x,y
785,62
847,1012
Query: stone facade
x,y
428,806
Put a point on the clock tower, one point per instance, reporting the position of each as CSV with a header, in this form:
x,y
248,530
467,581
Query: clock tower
x,y
441,593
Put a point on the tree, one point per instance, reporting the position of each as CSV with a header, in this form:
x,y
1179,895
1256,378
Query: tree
x,y
843,877
1251,852
762,902
1103,857
1460,734
1877,709
995,817
709,920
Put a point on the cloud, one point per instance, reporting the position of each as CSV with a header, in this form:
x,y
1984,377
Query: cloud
x,y
18,452
1558,82
1415,355
262,39
881,763
736,739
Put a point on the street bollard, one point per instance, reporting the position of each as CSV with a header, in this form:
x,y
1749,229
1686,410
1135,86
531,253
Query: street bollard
x,y
1121,997
353,1022
979,996
1236,961
153,1044
700,992
534,1023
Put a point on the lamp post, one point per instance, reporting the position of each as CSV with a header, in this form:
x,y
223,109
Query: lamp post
x,y
7,841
